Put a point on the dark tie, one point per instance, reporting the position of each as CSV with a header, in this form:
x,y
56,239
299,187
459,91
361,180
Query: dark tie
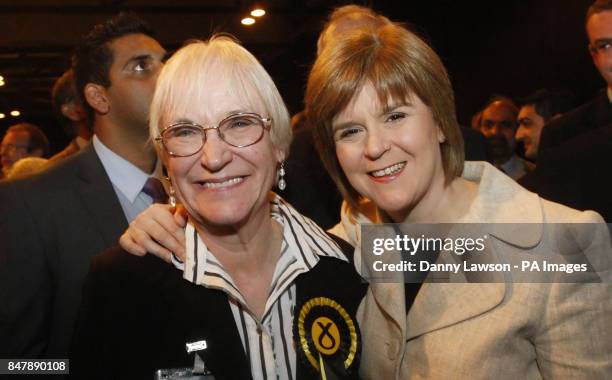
x,y
154,188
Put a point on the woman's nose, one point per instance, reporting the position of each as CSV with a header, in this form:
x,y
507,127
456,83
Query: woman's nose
x,y
377,143
216,153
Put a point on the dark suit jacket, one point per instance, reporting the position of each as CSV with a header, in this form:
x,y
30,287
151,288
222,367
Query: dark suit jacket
x,y
577,173
138,313
50,227
574,159
595,114
310,190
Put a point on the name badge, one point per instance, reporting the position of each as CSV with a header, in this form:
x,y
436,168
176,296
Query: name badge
x,y
196,346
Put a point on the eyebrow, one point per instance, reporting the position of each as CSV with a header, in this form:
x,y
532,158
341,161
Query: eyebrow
x,y
338,127
236,111
388,108
393,106
225,116
602,40
182,120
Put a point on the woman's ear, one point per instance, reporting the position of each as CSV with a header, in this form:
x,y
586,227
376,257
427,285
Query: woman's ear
x,y
95,95
280,155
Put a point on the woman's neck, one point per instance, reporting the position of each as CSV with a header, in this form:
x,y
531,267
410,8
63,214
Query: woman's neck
x,y
249,254
243,247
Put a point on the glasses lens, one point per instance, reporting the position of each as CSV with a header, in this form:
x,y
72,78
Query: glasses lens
x,y
183,139
241,130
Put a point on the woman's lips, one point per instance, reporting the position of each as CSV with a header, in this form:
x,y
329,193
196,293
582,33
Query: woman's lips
x,y
221,183
388,173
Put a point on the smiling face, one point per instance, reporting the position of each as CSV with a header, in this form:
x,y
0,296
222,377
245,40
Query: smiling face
x,y
390,156
529,130
222,185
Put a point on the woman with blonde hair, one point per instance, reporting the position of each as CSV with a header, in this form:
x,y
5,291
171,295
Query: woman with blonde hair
x,y
252,297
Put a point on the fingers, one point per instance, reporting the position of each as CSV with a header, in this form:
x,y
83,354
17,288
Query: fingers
x,y
127,243
180,215
155,231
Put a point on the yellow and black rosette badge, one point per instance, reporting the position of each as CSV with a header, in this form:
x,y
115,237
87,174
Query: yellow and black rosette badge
x,y
327,338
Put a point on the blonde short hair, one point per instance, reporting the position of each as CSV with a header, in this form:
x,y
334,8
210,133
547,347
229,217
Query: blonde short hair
x,y
192,66
399,65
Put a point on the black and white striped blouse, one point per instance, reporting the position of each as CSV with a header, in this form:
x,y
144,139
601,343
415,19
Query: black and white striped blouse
x,y
268,343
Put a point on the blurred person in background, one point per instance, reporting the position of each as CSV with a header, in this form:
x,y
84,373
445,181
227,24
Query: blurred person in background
x,y
22,140
70,113
538,109
498,124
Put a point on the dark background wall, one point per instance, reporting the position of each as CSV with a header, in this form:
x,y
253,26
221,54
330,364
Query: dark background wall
x,y
489,47
493,47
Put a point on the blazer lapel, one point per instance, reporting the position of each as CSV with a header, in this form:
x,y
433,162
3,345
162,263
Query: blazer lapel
x,y
98,197
388,291
204,314
440,305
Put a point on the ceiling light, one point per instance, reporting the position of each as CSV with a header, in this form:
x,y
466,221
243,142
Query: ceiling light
x,y
258,12
248,21
1,78
2,83
2,116
15,113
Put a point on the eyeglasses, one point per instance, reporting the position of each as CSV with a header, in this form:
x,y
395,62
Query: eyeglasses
x,y
601,46
239,130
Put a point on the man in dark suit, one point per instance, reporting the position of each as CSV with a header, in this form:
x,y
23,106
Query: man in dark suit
x,y
53,223
574,156
597,112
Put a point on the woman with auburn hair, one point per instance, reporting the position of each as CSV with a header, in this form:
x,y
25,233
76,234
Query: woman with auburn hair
x,y
252,296
383,108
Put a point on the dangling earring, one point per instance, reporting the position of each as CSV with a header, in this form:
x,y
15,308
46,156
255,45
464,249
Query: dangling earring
x,y
441,137
171,194
282,184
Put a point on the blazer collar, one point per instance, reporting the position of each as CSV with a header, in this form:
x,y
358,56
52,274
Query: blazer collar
x,y
511,213
98,195
507,212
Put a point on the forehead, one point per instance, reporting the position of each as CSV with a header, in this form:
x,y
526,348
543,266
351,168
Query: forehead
x,y
132,45
600,25
368,100
527,110
498,111
214,99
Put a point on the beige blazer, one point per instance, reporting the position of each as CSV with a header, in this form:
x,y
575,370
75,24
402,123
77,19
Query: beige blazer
x,y
494,330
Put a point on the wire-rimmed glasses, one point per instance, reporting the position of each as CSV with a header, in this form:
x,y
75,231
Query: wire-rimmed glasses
x,y
183,138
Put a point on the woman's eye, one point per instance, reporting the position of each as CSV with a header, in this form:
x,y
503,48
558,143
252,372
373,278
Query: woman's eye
x,y
183,132
240,123
396,116
348,133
